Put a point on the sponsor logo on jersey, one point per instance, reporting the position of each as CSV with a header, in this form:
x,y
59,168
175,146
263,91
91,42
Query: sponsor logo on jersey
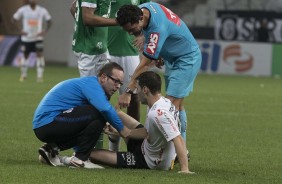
x,y
153,43
99,45
171,16
172,123
32,22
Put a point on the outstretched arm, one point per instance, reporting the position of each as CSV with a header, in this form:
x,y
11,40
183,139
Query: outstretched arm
x,y
142,67
131,124
181,152
127,120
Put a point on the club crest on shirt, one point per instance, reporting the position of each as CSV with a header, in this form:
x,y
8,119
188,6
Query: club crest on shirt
x,y
134,2
159,112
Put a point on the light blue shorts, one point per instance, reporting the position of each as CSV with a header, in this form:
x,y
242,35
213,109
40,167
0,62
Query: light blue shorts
x,y
181,74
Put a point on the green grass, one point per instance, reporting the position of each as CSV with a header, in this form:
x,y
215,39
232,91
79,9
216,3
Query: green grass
x,y
234,135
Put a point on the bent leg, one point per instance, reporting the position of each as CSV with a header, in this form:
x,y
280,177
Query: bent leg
x,y
88,139
79,126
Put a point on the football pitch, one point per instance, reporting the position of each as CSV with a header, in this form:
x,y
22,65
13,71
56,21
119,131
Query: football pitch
x,y
234,133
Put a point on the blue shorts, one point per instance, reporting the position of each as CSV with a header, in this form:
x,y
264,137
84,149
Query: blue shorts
x,y
181,74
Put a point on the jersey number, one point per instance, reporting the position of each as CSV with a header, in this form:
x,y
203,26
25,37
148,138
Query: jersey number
x,y
171,16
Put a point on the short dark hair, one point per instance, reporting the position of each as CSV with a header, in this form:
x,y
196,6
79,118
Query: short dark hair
x,y
151,80
128,14
108,68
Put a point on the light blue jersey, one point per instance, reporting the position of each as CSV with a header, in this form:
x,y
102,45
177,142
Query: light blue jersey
x,y
166,35
72,93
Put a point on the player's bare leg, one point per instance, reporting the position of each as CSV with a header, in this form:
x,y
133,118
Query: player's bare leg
x,y
24,67
40,64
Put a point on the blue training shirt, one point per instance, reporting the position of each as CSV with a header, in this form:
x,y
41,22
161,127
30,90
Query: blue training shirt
x,y
166,35
72,93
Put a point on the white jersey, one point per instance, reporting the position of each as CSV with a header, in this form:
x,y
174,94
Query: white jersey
x,y
32,21
162,126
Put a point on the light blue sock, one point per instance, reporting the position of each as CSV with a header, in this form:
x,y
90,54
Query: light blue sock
x,y
183,122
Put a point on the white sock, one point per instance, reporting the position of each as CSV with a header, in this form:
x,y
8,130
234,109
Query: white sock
x,y
40,64
24,66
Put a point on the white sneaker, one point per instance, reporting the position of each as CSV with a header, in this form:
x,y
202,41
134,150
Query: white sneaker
x,y
75,162
39,79
43,161
22,78
49,156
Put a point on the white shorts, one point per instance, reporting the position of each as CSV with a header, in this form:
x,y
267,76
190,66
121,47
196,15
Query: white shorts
x,y
129,64
89,65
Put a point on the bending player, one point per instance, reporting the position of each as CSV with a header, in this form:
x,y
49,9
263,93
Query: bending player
x,y
170,40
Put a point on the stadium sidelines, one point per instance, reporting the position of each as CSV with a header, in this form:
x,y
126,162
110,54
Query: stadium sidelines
x,y
234,133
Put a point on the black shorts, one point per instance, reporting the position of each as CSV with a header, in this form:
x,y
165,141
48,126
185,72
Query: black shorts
x,y
69,127
28,47
134,157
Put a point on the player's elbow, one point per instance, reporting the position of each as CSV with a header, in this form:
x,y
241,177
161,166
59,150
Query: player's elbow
x,y
73,8
86,20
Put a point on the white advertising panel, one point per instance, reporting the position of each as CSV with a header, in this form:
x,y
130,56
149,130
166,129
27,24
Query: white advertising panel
x,y
236,58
